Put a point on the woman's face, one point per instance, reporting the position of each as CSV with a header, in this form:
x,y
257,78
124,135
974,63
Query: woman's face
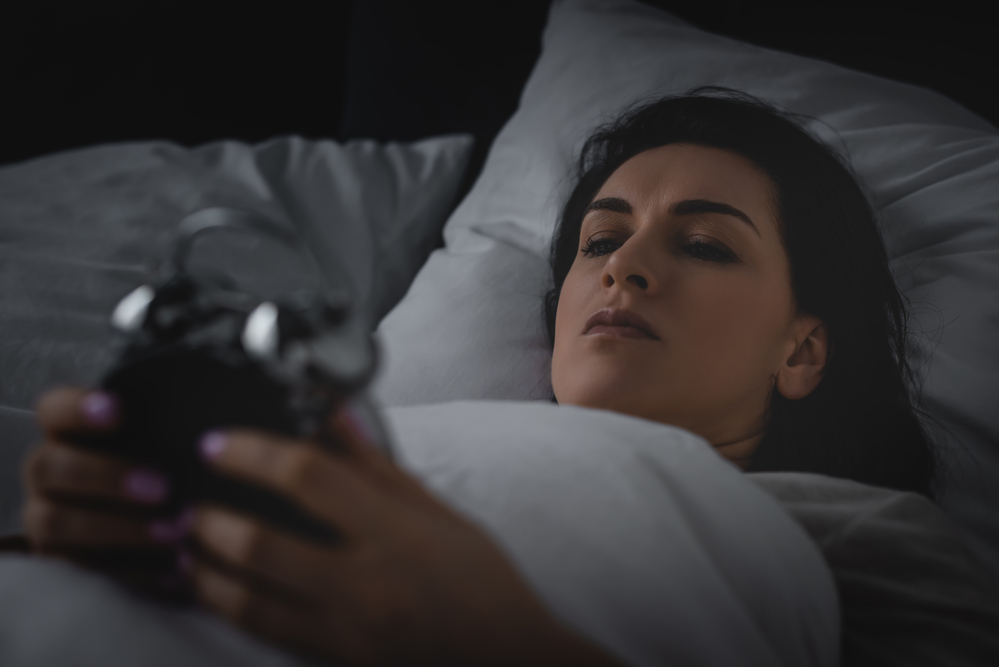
x,y
678,307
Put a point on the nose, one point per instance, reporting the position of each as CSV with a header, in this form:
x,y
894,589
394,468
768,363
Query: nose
x,y
630,267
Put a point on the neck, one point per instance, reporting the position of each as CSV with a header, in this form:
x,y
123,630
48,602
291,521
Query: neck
x,y
739,452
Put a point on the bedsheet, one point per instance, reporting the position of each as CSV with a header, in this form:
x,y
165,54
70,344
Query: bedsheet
x,y
911,591
636,534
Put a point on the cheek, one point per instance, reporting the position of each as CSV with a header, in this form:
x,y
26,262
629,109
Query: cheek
x,y
736,321
577,292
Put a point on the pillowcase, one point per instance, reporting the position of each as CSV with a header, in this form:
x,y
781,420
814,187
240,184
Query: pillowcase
x,y
471,325
82,228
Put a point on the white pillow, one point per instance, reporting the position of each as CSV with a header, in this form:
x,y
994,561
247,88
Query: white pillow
x,y
81,228
471,324
635,534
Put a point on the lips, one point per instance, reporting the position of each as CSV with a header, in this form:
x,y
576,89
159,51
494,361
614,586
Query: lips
x,y
614,321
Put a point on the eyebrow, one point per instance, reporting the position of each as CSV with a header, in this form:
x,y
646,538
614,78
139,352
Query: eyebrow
x,y
680,208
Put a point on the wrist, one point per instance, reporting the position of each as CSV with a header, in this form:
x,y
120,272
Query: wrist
x,y
548,642
568,648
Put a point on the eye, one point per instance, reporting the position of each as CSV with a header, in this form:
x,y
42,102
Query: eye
x,y
598,247
711,252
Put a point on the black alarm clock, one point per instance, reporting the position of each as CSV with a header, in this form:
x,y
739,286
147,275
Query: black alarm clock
x,y
201,352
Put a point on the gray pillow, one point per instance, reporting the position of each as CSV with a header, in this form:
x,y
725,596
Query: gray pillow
x,y
81,229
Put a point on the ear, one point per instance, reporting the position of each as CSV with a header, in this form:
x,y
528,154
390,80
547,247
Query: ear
x,y
803,366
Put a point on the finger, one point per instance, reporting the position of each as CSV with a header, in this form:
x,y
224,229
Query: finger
x,y
247,545
69,410
59,469
352,434
329,488
246,607
53,526
354,440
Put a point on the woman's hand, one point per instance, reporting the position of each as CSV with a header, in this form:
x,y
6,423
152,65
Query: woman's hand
x,y
94,509
410,582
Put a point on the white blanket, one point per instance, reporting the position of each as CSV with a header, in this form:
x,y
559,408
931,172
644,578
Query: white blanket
x,y
636,534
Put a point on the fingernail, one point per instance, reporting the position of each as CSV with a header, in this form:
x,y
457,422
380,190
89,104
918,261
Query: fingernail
x,y
99,408
211,445
171,531
185,520
147,486
170,582
164,531
356,424
184,562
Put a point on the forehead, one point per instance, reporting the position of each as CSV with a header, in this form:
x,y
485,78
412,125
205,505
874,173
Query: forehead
x,y
656,178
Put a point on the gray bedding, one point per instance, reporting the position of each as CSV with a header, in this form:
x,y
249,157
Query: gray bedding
x,y
911,592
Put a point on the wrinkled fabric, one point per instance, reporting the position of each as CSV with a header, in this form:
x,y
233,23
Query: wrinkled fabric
x,y
636,535
911,592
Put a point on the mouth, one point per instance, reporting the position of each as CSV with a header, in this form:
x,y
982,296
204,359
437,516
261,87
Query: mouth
x,y
617,322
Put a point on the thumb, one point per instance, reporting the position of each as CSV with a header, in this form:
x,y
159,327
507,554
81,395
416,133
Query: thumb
x,y
75,410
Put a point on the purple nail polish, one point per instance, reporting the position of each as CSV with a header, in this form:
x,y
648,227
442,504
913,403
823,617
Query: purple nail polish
x,y
172,531
357,424
164,531
211,445
146,485
170,582
184,562
99,408
185,520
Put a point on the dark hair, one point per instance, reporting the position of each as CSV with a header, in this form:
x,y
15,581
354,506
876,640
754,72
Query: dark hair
x,y
861,422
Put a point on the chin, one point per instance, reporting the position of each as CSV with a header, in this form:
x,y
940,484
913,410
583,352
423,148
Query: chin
x,y
602,389
624,394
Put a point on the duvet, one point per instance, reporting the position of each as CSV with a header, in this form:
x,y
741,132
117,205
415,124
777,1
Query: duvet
x,y
636,534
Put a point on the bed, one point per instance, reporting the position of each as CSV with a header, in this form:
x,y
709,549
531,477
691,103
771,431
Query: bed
x,y
466,365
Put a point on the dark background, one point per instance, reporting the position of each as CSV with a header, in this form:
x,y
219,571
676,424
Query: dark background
x,y
75,75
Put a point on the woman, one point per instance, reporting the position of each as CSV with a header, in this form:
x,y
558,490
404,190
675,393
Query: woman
x,y
786,331
715,268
